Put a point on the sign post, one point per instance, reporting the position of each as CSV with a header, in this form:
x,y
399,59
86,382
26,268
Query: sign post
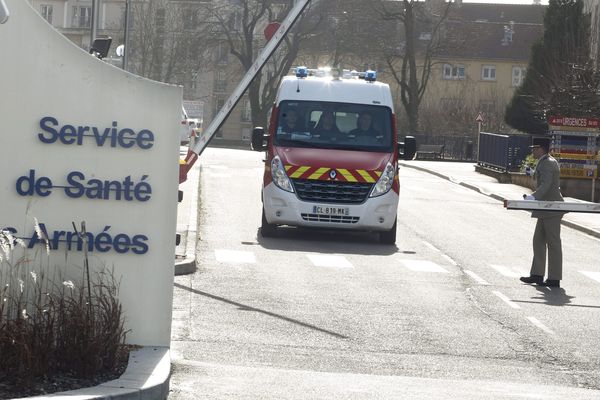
x,y
480,120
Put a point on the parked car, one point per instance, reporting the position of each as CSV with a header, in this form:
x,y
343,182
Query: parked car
x,y
186,129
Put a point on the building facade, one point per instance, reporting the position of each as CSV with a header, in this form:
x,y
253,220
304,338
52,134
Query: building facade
x,y
484,60
478,73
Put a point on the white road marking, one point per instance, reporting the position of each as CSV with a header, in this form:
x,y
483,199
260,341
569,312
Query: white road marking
x,y
592,274
450,260
506,299
447,257
423,266
218,175
215,166
329,261
432,247
505,271
543,327
235,256
476,277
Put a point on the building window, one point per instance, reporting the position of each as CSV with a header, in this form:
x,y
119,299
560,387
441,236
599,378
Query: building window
x,y
194,81
46,12
222,54
160,19
82,17
450,104
220,81
190,18
453,71
246,111
219,103
488,72
246,134
487,107
518,75
235,22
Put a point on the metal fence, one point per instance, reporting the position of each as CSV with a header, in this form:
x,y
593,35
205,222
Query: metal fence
x,y
460,148
502,152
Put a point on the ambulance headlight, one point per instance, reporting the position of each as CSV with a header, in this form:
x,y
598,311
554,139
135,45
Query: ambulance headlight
x,y
279,175
385,182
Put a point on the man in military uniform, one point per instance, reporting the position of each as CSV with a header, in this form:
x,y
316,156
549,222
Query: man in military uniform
x,y
546,238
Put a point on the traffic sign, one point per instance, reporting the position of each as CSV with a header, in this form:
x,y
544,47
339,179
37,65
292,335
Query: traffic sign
x,y
271,29
479,118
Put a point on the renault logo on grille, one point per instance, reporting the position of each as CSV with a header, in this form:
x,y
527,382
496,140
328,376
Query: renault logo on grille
x,y
332,174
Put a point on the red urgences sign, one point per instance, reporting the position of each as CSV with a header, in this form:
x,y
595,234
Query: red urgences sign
x,y
574,122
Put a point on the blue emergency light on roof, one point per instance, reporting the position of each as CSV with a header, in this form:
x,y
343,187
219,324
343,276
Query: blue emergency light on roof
x,y
301,72
304,72
370,76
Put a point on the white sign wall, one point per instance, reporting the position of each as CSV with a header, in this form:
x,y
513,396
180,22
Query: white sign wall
x,y
81,140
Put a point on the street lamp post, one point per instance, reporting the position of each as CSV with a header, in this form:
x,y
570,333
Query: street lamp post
x,y
94,21
127,29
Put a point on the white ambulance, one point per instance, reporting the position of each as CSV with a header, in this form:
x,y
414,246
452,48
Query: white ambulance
x,y
332,154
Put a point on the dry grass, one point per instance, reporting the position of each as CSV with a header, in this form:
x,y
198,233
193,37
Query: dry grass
x,y
49,326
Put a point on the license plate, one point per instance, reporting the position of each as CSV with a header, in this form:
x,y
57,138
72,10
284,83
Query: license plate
x,y
329,210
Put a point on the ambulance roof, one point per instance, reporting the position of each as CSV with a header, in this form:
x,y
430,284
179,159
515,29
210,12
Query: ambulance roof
x,y
352,90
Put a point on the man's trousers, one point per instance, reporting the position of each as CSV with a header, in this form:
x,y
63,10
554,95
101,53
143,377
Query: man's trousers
x,y
547,238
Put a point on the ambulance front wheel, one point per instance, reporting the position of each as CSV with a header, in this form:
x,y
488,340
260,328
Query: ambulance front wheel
x,y
267,229
388,237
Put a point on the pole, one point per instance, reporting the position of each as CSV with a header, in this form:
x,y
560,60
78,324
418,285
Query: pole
x,y
93,22
564,206
3,12
478,139
127,29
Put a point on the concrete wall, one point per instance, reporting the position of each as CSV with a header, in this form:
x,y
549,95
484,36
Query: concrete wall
x,y
576,188
49,86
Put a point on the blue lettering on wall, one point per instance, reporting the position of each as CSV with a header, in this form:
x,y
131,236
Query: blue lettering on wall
x,y
78,186
27,185
52,131
102,242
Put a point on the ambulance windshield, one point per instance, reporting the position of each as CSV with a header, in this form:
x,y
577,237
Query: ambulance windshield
x,y
330,125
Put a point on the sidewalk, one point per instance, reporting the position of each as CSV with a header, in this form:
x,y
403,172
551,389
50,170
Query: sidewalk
x,y
464,174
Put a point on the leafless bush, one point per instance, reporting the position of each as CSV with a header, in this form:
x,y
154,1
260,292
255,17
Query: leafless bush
x,y
52,326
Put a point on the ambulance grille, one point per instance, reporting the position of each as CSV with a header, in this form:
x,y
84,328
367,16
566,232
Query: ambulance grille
x,y
332,191
340,219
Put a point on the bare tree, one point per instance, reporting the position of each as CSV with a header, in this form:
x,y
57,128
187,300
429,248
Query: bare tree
x,y
240,28
411,63
167,42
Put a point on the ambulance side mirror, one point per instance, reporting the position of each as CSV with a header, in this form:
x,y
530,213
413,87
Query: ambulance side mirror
x,y
408,148
259,137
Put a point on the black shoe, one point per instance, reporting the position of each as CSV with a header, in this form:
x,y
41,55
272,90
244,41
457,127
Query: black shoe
x,y
552,283
537,279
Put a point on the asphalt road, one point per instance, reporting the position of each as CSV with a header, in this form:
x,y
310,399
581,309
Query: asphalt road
x,y
328,315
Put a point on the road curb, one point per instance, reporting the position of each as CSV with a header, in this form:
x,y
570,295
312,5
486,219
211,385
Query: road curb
x,y
188,264
570,224
146,378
